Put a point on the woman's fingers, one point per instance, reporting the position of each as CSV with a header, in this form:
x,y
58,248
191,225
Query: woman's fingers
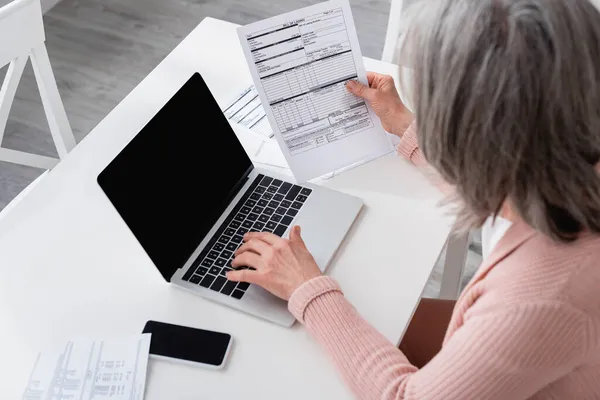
x,y
257,246
371,76
266,237
243,275
360,90
247,259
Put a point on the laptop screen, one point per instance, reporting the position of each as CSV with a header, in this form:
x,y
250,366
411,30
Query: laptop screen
x,y
171,183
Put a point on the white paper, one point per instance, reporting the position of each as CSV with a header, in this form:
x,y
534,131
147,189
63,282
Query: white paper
x,y
300,62
247,110
91,369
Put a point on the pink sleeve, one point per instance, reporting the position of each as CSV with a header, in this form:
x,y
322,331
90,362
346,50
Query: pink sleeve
x,y
409,149
506,353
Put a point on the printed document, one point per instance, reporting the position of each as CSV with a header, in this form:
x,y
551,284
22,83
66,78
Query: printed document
x,y
88,369
247,110
300,63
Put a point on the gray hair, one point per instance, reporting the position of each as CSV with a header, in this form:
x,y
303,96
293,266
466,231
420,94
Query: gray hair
x,y
507,101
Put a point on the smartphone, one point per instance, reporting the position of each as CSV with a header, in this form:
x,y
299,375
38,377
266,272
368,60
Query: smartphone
x,y
187,345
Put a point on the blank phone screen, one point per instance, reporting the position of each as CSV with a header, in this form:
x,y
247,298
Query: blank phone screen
x,y
184,343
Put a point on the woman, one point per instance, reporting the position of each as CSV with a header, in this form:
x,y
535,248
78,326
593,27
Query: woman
x,y
507,99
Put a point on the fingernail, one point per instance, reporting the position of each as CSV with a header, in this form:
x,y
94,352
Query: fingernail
x,y
350,84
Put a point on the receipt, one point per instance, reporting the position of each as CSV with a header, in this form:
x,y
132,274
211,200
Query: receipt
x,y
300,63
91,369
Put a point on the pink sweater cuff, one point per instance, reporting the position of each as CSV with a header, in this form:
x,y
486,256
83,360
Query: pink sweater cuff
x,y
309,291
408,144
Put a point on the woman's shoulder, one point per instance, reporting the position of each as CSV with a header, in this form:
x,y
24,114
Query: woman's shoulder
x,y
544,270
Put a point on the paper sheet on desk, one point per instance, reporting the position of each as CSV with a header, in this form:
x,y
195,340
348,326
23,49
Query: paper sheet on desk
x,y
300,62
247,110
259,148
91,369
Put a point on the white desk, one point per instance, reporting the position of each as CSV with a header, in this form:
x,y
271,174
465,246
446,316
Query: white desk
x,y
69,266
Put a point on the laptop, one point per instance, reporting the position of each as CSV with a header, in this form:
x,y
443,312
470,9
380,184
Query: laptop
x,y
188,192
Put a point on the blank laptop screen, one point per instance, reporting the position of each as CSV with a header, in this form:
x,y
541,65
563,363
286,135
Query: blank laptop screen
x,y
175,178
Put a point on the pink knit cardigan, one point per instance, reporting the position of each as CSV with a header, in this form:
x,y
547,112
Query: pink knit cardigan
x,y
526,327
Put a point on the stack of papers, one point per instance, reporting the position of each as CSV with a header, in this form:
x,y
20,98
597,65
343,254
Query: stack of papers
x,y
91,369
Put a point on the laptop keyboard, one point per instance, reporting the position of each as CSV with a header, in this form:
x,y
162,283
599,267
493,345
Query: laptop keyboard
x,y
269,205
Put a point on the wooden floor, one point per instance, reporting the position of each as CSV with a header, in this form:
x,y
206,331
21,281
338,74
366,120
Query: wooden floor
x,y
101,49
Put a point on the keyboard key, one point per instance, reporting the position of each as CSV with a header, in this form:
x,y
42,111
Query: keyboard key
x,y
247,224
263,218
281,210
218,246
224,239
238,294
220,262
293,193
271,225
228,265
280,230
234,224
286,204
245,210
272,189
306,191
255,196
285,186
202,271
301,198
254,230
287,220
250,203
237,239
269,211
296,205
266,181
215,270
273,204
292,212
252,217
206,263
224,271
267,196
259,190
267,230
232,246
239,217
230,231
276,217
262,202
258,209
228,288
213,254
278,197
243,285
207,281
276,182
226,254
258,225
195,279
242,231
219,282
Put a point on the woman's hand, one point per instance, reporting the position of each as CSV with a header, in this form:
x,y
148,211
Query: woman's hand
x,y
280,265
385,101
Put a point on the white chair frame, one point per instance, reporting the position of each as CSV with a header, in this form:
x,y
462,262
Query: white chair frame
x,y
457,245
22,38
